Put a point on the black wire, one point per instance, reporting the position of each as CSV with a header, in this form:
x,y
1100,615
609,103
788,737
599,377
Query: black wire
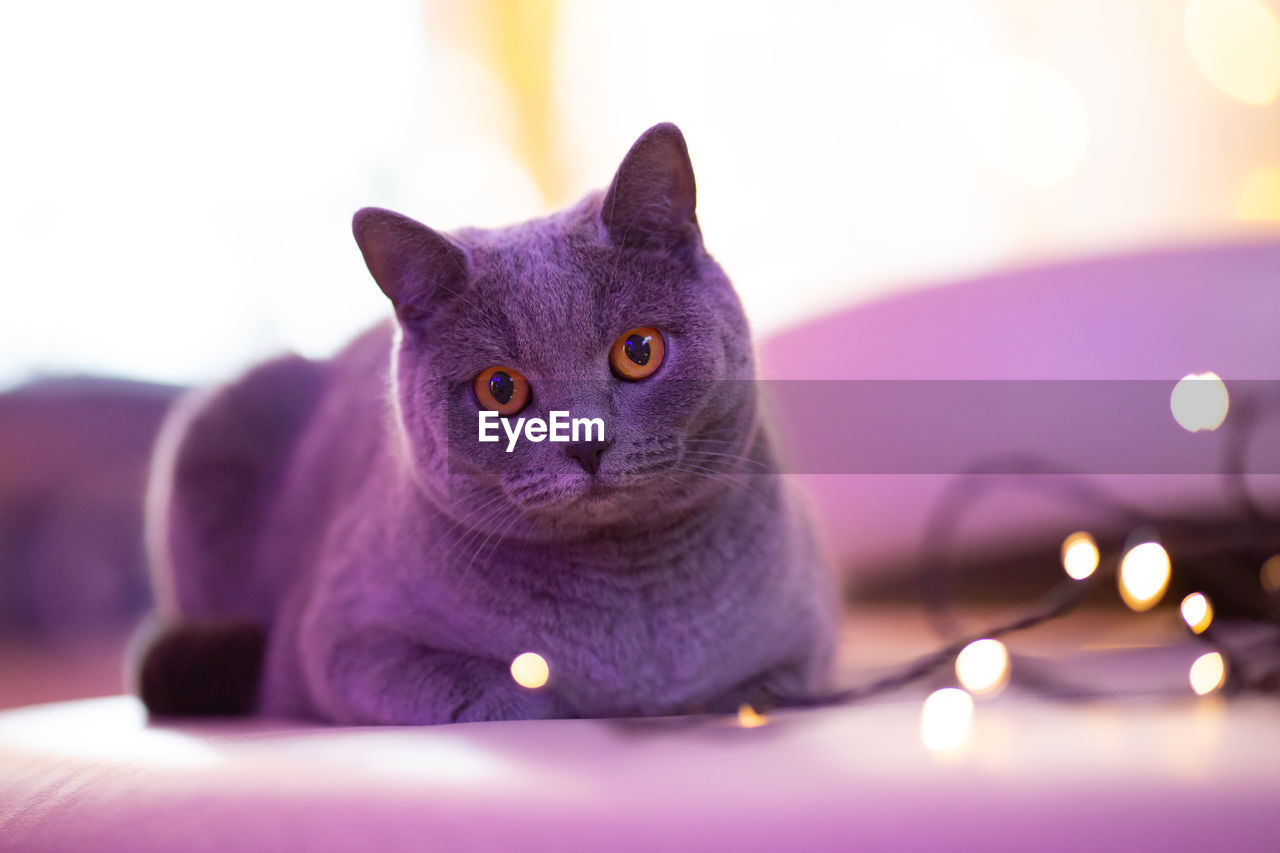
x,y
1256,532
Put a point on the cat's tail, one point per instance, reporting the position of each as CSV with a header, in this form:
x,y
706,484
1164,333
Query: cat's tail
x,y
198,669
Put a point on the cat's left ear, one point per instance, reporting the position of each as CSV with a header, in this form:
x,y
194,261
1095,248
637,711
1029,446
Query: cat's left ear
x,y
650,203
417,268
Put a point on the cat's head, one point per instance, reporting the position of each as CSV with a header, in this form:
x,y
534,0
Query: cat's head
x,y
611,309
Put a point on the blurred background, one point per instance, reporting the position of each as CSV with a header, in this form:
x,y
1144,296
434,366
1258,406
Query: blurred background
x,y
177,182
178,179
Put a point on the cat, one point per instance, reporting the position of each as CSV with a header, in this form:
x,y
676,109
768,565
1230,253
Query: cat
x,y
329,539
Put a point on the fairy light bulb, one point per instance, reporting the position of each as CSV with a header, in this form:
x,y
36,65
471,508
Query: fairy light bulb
x,y
945,719
1079,555
1207,673
750,718
1199,402
982,667
1144,575
530,670
1197,612
1269,574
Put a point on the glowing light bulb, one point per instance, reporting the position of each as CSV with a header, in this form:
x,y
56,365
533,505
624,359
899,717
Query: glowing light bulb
x,y
1197,612
1199,401
530,670
1207,673
1236,43
983,666
1270,574
1079,555
749,718
945,719
1144,575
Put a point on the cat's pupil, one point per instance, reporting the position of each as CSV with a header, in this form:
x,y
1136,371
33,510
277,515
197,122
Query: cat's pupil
x,y
637,349
502,386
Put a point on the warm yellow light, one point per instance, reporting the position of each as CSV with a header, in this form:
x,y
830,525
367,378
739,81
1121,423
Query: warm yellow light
x,y
1199,401
749,718
945,719
1026,120
1197,612
1236,43
1144,575
1270,574
1079,555
530,670
1259,197
1207,673
983,666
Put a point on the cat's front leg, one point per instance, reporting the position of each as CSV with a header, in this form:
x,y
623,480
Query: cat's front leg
x,y
388,679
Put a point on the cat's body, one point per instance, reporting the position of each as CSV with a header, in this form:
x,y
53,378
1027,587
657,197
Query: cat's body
x,y
344,512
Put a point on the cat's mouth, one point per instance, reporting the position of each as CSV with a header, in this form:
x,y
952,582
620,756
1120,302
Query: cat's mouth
x,y
598,489
556,494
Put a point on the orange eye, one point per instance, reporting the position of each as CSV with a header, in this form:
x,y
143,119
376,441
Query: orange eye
x,y
502,390
636,354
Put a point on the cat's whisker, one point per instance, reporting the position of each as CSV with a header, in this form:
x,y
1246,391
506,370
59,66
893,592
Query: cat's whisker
x,y
735,479
746,460
506,519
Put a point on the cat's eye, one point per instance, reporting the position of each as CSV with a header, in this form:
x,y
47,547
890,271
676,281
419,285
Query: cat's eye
x,y
637,353
502,390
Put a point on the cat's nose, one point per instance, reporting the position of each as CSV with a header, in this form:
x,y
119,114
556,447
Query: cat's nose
x,y
588,453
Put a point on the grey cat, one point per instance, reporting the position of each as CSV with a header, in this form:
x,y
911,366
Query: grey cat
x,y
331,540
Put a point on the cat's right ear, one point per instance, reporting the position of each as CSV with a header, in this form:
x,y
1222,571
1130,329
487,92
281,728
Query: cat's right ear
x,y
416,267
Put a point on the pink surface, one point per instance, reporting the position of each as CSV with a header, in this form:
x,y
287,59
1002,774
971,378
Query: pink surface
x,y
1160,315
1176,773
92,775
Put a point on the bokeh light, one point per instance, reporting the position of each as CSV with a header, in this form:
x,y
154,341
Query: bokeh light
x,y
1144,575
982,667
1197,612
1200,402
926,123
1027,121
1208,673
750,718
1269,574
1079,555
1236,43
530,670
945,719
1259,197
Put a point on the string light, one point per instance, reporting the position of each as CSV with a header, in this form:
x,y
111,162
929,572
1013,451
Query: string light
x,y
1270,574
530,670
749,718
1144,575
982,667
1079,555
945,719
1197,612
1200,402
1207,673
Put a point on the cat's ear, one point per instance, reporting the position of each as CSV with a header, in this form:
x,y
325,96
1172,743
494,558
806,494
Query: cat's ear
x,y
416,267
651,200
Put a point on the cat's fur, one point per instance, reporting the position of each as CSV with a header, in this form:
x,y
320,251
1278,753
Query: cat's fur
x,y
395,565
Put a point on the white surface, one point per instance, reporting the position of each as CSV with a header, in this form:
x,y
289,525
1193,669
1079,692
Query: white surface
x,y
1032,775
